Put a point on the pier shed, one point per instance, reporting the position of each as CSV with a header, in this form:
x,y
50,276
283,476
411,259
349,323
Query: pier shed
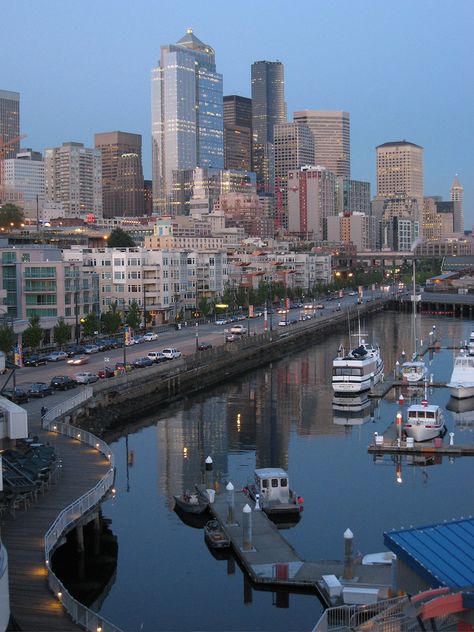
x,y
438,555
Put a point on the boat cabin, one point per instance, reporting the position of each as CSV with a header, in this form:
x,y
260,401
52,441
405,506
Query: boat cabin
x,y
425,413
272,484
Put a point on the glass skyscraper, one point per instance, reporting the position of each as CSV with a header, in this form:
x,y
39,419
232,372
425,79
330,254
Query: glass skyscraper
x,y
187,115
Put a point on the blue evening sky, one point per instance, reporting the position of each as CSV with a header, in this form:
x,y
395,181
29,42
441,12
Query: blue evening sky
x,y
402,68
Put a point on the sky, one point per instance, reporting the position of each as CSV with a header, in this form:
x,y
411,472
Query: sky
x,y
403,69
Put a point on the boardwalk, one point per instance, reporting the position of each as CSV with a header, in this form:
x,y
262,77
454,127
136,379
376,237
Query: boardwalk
x,y
32,604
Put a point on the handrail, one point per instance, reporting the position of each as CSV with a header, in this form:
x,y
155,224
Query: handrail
x,y
80,613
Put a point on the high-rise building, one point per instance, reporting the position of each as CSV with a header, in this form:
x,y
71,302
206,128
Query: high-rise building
x,y
268,110
294,148
122,186
355,228
237,132
25,174
73,176
400,170
456,196
311,195
332,137
10,122
352,196
187,115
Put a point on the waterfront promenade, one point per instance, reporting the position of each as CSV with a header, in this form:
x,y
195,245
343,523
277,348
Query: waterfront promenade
x,y
32,604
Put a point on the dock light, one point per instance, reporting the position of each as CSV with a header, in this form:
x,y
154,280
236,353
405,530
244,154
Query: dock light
x,y
97,445
399,474
109,456
60,594
78,435
55,427
185,452
47,562
99,629
113,490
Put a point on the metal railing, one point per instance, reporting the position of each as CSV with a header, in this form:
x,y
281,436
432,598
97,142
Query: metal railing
x,y
351,617
82,615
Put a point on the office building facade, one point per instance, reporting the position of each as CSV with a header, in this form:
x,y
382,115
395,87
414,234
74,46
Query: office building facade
x,y
400,170
187,115
122,178
25,175
311,199
9,122
332,138
237,132
456,197
352,196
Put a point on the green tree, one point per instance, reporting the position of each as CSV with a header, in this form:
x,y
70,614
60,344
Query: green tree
x,y
204,307
61,332
134,317
7,338
33,334
90,324
11,216
118,238
111,319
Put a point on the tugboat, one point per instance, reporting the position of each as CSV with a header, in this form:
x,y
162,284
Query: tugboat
x,y
275,497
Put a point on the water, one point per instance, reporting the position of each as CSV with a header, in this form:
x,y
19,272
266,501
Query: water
x,y
281,416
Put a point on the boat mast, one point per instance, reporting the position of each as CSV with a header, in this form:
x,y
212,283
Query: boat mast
x,y
415,341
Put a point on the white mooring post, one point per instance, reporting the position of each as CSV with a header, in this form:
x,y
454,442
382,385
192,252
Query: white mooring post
x,y
348,542
247,528
451,438
209,474
230,503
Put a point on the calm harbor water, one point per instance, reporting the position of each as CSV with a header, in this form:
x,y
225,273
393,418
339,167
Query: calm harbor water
x,y
281,415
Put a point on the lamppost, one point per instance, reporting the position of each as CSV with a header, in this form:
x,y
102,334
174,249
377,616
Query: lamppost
x,y
197,336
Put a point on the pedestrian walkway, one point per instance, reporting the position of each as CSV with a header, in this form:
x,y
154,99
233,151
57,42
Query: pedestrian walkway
x,y
32,604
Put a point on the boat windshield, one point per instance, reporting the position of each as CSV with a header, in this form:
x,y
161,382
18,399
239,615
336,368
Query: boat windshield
x,y
346,371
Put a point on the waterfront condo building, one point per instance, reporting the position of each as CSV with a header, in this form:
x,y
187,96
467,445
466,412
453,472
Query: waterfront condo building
x,y
187,115
10,122
268,110
122,173
332,138
73,176
311,199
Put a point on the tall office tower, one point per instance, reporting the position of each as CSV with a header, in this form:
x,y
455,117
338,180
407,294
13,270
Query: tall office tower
x,y
237,132
400,170
10,122
352,196
268,110
311,195
456,196
187,115
332,137
73,176
119,197
25,175
294,148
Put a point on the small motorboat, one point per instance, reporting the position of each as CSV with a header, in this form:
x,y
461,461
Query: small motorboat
x,y
215,536
191,502
424,421
274,494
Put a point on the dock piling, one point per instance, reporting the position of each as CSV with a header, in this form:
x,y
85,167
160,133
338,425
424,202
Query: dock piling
x,y
247,528
257,503
230,503
209,474
348,542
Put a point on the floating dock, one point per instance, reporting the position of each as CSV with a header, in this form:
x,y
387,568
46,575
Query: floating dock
x,y
269,559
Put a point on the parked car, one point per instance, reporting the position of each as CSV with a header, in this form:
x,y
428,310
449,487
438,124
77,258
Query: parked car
x,y
40,389
62,382
56,356
35,360
204,345
78,360
283,323
86,378
16,395
140,363
138,339
124,368
231,337
91,349
221,321
157,356
171,353
319,306
238,329
129,342
106,372
74,350
150,336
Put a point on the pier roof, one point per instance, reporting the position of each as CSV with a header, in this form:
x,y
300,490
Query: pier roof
x,y
442,554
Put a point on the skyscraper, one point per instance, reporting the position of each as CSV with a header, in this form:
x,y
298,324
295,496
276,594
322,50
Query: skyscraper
x,y
268,109
73,176
332,137
310,201
456,195
187,115
400,170
237,132
9,122
122,184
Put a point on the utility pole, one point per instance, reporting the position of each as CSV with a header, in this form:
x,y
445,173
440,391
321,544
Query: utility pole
x,y
144,304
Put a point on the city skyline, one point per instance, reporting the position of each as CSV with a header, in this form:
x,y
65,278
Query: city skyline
x,y
385,65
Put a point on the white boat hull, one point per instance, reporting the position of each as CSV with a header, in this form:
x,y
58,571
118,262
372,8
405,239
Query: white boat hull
x,y
346,386
461,391
422,433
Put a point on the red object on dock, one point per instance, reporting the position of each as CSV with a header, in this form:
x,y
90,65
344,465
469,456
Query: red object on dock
x,y
281,570
438,442
401,400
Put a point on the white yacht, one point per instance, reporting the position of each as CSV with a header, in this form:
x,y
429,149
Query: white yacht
x,y
357,371
470,345
414,370
462,378
424,421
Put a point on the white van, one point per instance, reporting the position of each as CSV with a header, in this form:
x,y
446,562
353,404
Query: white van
x,y
171,353
156,356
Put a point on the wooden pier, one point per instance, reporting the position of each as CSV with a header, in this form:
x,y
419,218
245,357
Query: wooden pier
x,y
271,560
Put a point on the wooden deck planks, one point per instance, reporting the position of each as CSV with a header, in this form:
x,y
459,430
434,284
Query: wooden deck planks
x,y
31,602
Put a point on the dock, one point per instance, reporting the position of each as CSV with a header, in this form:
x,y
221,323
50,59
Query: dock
x,y
270,560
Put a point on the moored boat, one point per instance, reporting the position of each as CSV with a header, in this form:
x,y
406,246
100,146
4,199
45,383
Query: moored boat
x,y
424,422
215,535
191,502
461,384
414,371
275,497
357,371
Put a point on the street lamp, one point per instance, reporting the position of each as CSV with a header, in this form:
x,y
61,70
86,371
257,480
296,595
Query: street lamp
x,y
197,336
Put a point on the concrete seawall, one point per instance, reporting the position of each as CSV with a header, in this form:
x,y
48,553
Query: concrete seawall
x,y
120,400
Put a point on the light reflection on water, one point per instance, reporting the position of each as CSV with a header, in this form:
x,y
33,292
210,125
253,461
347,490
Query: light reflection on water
x,y
277,416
